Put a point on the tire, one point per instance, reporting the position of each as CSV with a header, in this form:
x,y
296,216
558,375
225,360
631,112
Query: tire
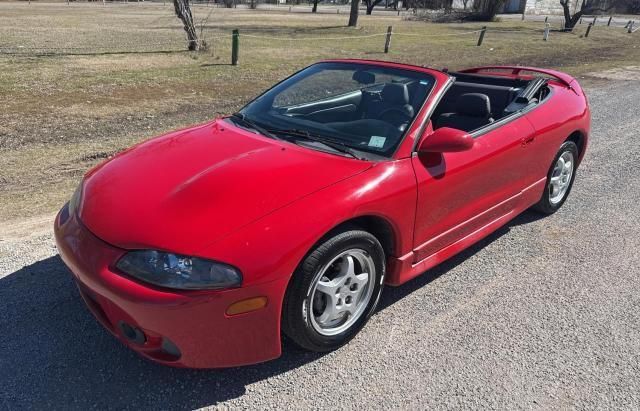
x,y
313,317
550,203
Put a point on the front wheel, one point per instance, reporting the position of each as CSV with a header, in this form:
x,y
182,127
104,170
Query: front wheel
x,y
334,291
559,179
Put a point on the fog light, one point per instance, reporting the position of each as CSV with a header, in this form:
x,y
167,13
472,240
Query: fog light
x,y
170,348
133,334
245,306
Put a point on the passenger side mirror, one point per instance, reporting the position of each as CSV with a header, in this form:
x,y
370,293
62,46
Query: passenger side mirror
x,y
446,140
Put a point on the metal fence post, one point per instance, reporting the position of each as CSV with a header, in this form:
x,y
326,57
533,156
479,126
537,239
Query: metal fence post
x,y
387,41
235,46
545,36
546,19
609,22
484,29
595,18
588,30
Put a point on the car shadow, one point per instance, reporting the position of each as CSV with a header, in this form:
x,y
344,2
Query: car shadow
x,y
54,353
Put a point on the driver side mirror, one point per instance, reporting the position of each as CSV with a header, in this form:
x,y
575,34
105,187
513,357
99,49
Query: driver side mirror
x,y
446,140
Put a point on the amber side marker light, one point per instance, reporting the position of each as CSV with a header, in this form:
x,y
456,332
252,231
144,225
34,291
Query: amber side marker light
x,y
248,305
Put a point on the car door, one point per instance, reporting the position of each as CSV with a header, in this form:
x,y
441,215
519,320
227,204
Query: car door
x,y
461,192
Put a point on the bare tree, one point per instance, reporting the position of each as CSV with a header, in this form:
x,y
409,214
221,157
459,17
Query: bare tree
x,y
183,11
486,10
587,7
632,6
371,4
353,16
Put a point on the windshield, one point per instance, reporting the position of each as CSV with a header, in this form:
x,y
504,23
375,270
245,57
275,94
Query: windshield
x,y
358,106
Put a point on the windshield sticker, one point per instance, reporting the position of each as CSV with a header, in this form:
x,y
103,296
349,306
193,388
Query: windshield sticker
x,y
377,141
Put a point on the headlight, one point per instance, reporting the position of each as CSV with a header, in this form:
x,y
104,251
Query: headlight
x,y
74,203
178,271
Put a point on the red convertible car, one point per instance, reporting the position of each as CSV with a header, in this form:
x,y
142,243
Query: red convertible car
x,y
200,248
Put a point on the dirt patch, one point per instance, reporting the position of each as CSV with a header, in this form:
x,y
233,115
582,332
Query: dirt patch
x,y
26,227
631,73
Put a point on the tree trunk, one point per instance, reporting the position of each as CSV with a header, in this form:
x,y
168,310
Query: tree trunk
x,y
315,6
183,11
370,8
567,14
586,8
353,16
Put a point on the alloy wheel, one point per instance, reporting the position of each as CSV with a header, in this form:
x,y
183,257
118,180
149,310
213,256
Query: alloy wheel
x,y
342,291
561,177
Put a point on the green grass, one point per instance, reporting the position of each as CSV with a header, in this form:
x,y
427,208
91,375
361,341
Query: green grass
x,y
60,114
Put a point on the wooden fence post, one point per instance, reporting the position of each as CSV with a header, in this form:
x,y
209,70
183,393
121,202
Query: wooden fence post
x,y
588,30
235,47
630,30
387,41
484,29
609,22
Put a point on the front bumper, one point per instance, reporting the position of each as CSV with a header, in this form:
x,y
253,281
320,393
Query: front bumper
x,y
193,321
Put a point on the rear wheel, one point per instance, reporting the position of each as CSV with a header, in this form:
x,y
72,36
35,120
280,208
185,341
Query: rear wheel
x,y
559,179
334,291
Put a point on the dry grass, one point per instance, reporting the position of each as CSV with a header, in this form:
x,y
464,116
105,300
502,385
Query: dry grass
x,y
61,114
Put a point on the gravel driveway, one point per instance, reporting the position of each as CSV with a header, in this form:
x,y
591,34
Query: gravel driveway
x,y
543,314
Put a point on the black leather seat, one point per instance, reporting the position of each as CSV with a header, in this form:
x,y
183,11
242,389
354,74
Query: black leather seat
x,y
472,111
499,96
393,106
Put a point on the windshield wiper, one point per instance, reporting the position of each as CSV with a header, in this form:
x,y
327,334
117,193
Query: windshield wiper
x,y
245,122
306,135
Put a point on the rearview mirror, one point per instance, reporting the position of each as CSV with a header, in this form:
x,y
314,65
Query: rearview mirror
x,y
446,140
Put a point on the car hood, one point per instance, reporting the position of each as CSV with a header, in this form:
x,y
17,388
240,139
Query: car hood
x,y
187,189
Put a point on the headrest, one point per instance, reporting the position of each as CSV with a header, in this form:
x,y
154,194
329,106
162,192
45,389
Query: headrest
x,y
364,77
395,93
473,105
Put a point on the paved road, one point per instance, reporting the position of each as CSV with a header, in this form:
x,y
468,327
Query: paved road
x,y
543,314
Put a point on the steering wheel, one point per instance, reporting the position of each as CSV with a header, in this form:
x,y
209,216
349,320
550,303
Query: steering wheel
x,y
394,115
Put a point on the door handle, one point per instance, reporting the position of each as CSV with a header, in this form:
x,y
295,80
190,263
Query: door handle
x,y
527,140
